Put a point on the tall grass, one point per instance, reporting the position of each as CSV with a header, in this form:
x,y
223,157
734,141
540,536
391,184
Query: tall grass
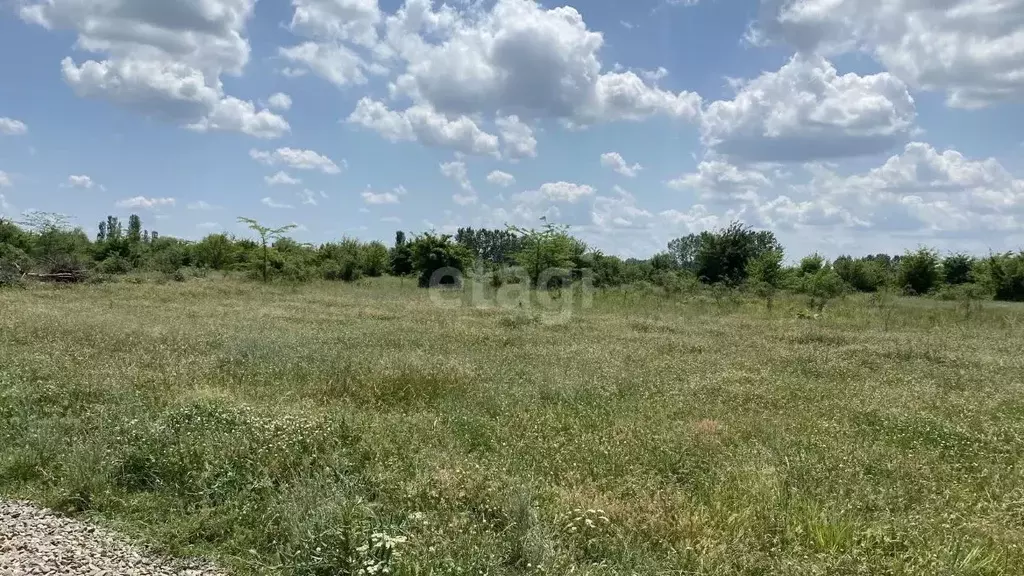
x,y
358,429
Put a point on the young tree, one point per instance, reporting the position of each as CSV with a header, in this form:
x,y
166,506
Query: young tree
x,y
723,255
957,268
431,253
267,235
549,247
919,271
401,256
134,229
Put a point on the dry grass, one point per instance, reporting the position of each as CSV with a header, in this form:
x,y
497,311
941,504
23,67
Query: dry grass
x,y
328,429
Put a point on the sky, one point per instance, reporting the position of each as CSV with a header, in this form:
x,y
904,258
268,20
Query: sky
x,y
844,126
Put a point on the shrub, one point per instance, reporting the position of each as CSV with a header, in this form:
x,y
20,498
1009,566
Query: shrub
x,y
919,271
822,286
863,275
374,258
432,253
958,269
115,265
1005,276
14,262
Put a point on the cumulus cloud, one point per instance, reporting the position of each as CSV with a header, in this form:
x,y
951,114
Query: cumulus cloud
x,y
163,63
297,159
568,192
806,111
281,179
308,197
12,127
423,124
335,63
615,161
5,180
271,203
716,180
456,170
523,59
371,197
619,211
143,202
499,178
81,181
518,138
280,101
973,50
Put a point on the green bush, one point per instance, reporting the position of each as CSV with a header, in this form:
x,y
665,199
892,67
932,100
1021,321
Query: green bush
x,y
374,259
432,253
115,265
919,271
958,269
1005,276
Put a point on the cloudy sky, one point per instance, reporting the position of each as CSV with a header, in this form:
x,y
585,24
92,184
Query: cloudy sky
x,y
846,126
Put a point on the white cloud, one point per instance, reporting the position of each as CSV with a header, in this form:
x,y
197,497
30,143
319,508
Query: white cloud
x,y
308,197
271,203
518,138
654,76
523,59
695,219
557,192
619,211
716,180
465,199
201,205
12,127
973,50
297,159
145,203
391,219
499,178
281,179
333,62
81,181
5,180
164,63
615,161
425,125
807,111
280,101
456,170
371,197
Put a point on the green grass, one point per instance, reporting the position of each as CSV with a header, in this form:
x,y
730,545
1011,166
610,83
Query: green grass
x,y
328,429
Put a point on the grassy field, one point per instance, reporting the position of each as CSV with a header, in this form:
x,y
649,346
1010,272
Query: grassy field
x,y
366,429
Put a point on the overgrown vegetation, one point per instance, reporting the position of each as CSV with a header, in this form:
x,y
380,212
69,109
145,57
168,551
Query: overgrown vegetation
x,y
736,257
332,428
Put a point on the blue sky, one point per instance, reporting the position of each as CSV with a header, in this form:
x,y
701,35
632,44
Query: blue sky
x,y
846,126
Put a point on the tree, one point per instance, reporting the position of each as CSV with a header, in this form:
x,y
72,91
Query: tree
x,y
101,235
919,271
216,251
266,235
401,256
684,251
864,275
957,269
134,229
550,247
723,255
431,253
811,264
767,268
374,259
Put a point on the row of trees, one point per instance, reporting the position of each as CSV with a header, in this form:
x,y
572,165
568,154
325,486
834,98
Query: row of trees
x,y
735,256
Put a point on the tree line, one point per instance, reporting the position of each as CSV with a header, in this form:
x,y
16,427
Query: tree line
x,y
735,256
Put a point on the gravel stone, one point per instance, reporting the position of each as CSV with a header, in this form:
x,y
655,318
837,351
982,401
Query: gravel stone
x,y
37,542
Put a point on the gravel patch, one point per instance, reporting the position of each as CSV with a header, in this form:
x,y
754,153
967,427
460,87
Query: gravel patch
x,y
37,542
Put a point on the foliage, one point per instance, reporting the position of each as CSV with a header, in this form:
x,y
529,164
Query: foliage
x,y
400,256
723,255
545,250
266,235
863,275
216,251
1005,276
958,269
432,253
919,271
812,264
375,259
822,286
